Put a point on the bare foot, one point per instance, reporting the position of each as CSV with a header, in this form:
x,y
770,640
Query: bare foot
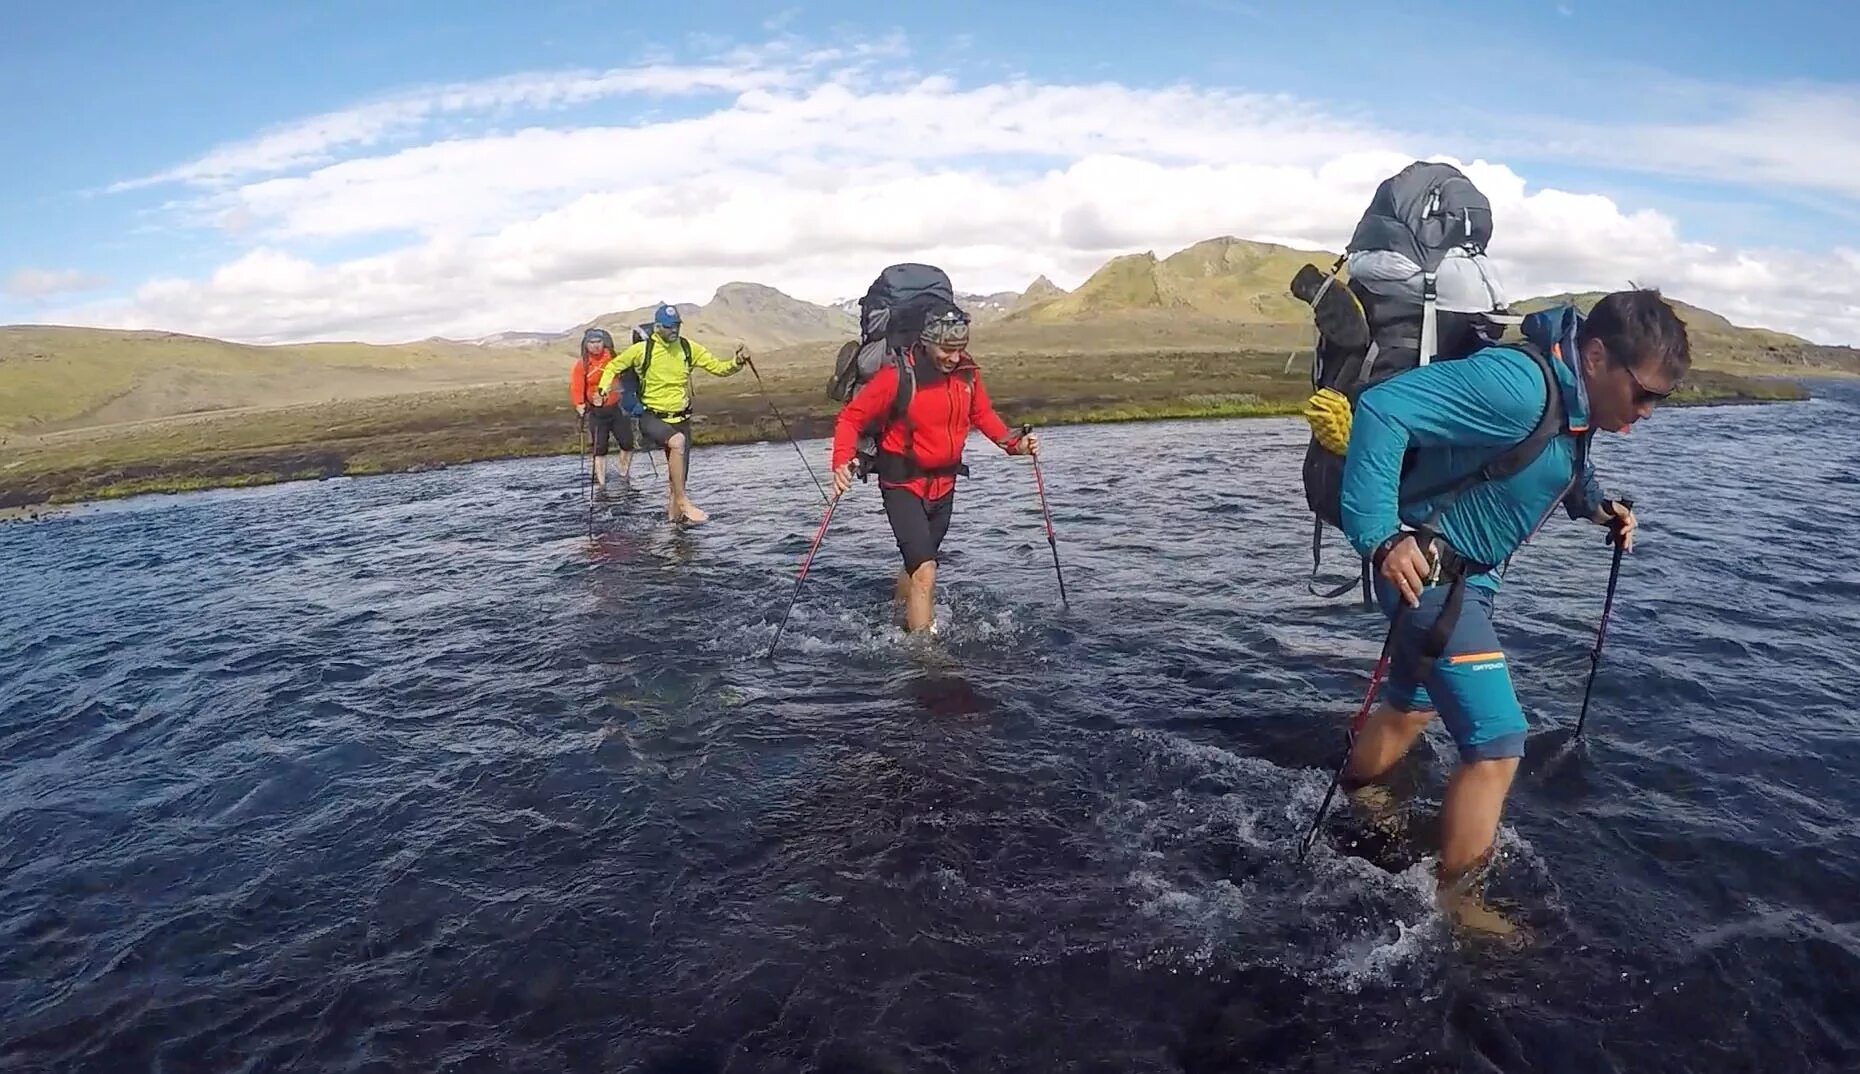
x,y
691,515
1470,914
1379,809
1462,899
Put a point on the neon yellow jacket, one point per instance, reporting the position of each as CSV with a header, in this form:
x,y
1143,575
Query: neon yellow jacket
x,y
665,387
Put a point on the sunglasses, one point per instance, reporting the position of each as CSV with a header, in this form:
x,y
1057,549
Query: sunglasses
x,y
1642,393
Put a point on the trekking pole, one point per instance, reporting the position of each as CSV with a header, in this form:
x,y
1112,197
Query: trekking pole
x,y
1349,743
587,469
1608,604
1052,542
581,438
832,502
640,438
789,433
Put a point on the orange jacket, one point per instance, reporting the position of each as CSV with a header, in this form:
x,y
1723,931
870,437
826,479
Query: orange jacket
x,y
585,378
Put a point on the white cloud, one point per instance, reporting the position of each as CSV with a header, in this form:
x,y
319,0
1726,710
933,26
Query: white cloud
x,y
314,140
826,165
34,283
1789,141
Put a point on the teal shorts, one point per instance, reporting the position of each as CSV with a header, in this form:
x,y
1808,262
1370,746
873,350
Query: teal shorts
x,y
1469,683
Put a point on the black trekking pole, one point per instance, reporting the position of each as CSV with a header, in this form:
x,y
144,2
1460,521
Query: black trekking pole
x,y
587,469
651,459
1349,743
770,400
1052,542
805,565
1608,605
639,439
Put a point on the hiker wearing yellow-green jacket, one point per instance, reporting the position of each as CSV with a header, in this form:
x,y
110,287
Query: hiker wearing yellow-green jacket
x,y
664,360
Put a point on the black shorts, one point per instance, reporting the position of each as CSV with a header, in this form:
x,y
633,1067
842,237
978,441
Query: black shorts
x,y
659,431
608,421
918,524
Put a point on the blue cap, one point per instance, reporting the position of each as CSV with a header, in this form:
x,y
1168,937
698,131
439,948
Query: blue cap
x,y
666,316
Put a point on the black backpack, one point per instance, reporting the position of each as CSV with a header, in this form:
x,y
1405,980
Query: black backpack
x,y
891,315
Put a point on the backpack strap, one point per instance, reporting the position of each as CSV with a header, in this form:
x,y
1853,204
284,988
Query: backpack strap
x,y
1511,461
900,413
903,466
645,361
1317,563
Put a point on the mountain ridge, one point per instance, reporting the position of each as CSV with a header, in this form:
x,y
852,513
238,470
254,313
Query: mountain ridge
x,y
1224,291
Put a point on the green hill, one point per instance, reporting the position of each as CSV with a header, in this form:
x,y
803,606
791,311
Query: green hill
x,y
54,377
1719,344
1225,295
1227,279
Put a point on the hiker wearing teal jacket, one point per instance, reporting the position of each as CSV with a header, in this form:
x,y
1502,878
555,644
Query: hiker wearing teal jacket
x,y
1446,420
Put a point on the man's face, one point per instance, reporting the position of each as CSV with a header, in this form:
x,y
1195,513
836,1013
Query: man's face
x,y
1621,394
947,357
668,332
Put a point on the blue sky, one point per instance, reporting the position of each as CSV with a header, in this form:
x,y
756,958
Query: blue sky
x,y
142,191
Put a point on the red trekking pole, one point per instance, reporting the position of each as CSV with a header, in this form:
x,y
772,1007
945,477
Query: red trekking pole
x,y
1349,742
805,564
1052,542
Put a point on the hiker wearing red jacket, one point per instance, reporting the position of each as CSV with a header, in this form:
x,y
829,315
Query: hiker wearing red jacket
x,y
605,417
920,455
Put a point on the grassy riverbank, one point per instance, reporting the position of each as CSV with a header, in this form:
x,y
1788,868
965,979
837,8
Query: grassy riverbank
x,y
452,426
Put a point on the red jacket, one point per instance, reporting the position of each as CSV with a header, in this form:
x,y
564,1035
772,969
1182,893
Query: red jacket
x,y
585,377
944,407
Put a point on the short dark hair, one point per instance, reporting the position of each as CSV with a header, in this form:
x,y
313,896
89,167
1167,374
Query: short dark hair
x,y
1640,329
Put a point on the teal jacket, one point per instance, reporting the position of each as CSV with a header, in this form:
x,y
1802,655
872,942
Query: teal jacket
x,y
1454,416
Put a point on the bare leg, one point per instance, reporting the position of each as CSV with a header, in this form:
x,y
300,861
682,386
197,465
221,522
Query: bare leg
x,y
901,595
920,603
1385,739
678,507
1470,812
626,464
600,470
1469,816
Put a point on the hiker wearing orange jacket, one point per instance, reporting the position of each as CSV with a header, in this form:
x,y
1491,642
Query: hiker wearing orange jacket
x,y
606,417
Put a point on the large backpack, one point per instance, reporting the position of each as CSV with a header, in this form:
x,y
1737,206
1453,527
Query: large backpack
x,y
1419,290
891,315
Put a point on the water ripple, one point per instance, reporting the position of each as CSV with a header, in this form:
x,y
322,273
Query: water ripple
x,y
417,773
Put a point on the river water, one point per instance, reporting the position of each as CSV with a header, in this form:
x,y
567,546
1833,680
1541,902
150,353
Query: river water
x,y
443,771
